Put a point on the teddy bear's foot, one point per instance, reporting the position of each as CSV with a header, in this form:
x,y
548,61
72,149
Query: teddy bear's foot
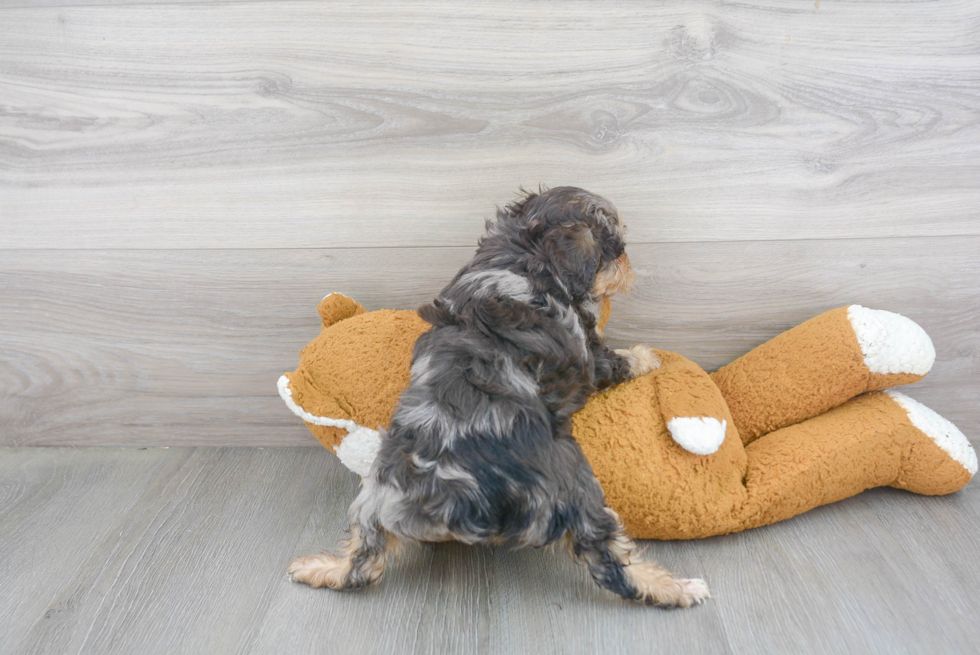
x,y
891,343
938,459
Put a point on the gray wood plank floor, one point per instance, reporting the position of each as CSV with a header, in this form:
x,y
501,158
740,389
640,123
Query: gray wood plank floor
x,y
108,550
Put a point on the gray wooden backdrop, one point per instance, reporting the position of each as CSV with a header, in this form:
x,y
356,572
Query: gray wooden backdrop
x,y
180,183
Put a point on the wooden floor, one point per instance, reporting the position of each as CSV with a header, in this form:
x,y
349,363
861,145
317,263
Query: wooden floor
x,y
183,550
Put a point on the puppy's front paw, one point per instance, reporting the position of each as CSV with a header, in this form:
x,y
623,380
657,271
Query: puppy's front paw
x,y
656,586
641,359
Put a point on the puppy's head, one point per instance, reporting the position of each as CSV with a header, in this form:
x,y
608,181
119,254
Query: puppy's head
x,y
577,237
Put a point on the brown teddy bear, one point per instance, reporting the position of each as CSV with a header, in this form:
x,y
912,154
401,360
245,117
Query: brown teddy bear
x,y
794,424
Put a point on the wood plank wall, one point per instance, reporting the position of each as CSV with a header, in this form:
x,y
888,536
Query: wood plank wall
x,y
180,183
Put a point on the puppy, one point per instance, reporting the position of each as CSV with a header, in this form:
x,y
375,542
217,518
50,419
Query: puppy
x,y
480,447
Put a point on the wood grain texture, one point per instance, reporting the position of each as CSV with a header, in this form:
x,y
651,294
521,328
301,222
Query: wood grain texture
x,y
184,550
171,347
450,598
307,124
194,561
845,579
56,508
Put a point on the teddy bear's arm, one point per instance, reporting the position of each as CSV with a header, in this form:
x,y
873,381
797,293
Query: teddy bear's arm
x,y
693,408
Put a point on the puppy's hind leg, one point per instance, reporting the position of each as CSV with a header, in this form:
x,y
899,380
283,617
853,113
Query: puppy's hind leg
x,y
611,558
364,554
360,562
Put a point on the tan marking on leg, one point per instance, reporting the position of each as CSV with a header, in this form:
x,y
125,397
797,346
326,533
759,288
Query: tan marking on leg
x,y
321,570
334,571
655,585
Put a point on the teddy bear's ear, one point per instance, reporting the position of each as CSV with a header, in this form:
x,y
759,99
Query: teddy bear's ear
x,y
336,307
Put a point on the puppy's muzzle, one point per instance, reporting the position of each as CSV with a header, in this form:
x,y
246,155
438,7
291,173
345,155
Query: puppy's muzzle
x,y
616,278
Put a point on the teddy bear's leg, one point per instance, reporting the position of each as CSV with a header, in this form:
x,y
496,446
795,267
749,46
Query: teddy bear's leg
x,y
820,364
926,465
877,439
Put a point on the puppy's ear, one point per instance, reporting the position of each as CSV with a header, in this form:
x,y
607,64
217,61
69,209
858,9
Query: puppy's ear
x,y
573,256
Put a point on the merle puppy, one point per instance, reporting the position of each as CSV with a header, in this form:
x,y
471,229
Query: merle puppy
x,y
480,447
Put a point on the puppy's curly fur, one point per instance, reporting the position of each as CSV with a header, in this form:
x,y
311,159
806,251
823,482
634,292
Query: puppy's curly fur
x,y
480,447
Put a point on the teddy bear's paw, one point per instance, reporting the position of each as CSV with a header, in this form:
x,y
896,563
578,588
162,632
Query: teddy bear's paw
x,y
642,359
940,430
891,343
320,570
657,586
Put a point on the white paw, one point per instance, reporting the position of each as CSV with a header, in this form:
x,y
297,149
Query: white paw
x,y
693,592
641,359
701,435
891,343
941,430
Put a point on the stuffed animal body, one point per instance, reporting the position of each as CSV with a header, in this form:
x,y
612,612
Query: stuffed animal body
x,y
799,422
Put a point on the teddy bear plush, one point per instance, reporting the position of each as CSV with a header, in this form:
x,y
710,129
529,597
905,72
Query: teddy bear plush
x,y
799,422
